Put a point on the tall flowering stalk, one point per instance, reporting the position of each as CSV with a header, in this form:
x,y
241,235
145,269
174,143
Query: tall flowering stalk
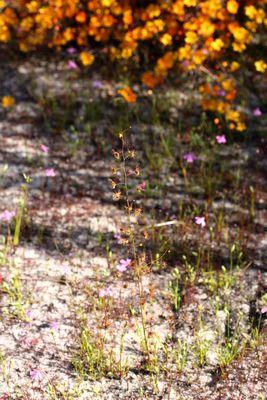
x,y
121,187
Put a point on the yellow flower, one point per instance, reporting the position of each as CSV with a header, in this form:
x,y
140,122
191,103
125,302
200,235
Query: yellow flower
x,y
233,115
198,57
191,37
237,46
153,11
251,12
106,3
87,58
232,6
33,6
240,33
240,126
178,8
8,101
183,53
260,66
234,66
207,28
190,3
228,84
217,44
166,39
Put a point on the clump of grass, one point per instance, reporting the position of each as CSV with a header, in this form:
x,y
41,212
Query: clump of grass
x,y
96,358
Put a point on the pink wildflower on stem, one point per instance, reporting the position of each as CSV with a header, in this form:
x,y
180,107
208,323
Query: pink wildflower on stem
x,y
97,84
189,157
65,268
54,325
221,139
72,64
71,50
264,310
50,172
222,92
7,216
123,265
44,148
141,187
257,112
29,314
36,375
105,292
200,221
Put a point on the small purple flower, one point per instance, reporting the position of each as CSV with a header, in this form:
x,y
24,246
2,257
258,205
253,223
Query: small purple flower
x,y
185,63
50,172
123,265
54,325
29,314
264,310
71,50
44,148
200,221
65,268
36,375
222,93
7,216
190,157
105,292
118,238
72,64
221,139
257,112
97,84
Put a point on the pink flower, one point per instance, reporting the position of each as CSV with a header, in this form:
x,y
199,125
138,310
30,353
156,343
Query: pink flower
x,y
222,92
186,63
264,310
97,84
72,64
30,341
118,238
29,314
50,172
65,268
5,397
189,157
257,112
141,187
7,216
54,325
105,292
200,221
44,148
36,375
221,139
123,265
71,50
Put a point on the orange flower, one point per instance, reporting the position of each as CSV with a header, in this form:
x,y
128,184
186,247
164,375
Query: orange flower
x,y
128,94
8,101
80,17
149,79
